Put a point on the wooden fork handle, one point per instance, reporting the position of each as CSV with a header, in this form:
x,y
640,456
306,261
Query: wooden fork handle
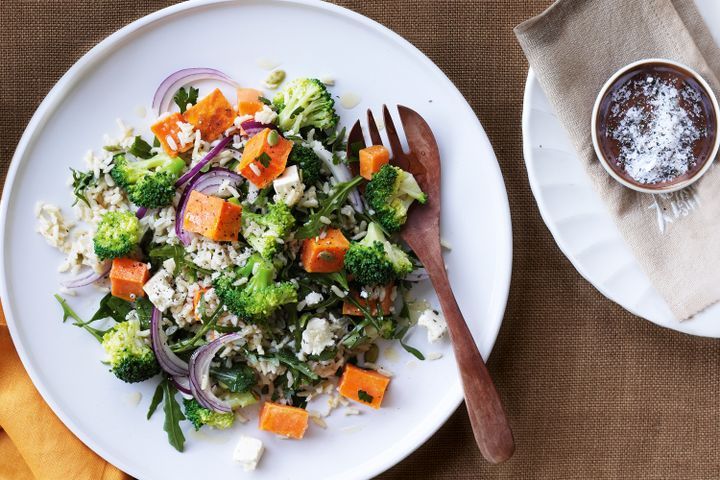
x,y
487,417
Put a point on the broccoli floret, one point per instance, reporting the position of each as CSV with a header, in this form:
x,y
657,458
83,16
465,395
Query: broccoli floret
x,y
131,358
149,183
200,416
305,102
260,296
376,261
390,193
117,234
309,163
263,230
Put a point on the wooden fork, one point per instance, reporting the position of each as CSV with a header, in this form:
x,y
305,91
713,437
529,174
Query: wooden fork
x,y
422,233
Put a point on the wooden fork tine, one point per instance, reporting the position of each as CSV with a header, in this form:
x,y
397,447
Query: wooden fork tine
x,y
418,133
397,153
355,140
374,132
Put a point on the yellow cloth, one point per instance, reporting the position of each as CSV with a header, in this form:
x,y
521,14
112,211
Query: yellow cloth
x,y
34,444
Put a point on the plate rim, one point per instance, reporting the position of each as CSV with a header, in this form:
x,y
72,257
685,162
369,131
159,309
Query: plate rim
x,y
54,98
685,327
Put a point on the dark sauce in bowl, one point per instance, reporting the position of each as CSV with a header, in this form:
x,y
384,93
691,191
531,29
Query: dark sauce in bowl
x,y
656,126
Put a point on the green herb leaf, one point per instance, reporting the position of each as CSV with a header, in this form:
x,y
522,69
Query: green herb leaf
x,y
327,354
177,253
239,378
292,362
70,313
264,159
67,311
173,416
412,350
294,138
156,142
404,310
185,97
400,334
112,307
81,182
156,399
140,148
266,101
144,307
146,241
312,227
354,153
336,141
207,324
365,397
356,336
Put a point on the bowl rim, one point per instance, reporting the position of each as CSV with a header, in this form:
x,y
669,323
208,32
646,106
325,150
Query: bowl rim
x,y
668,188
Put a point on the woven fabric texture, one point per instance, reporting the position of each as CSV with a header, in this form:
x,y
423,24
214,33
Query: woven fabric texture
x,y
590,390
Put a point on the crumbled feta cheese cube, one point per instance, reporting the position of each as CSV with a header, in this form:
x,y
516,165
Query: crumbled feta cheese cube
x,y
288,186
266,115
434,323
169,265
159,290
313,298
316,337
248,452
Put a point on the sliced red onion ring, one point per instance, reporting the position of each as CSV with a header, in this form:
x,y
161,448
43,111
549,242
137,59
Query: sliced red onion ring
x,y
167,359
417,275
210,155
252,128
206,183
141,212
165,92
200,369
87,278
182,384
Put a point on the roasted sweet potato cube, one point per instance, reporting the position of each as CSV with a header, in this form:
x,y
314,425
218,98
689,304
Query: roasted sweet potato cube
x,y
248,101
364,386
166,130
325,255
372,159
261,162
212,115
386,303
213,217
127,277
284,420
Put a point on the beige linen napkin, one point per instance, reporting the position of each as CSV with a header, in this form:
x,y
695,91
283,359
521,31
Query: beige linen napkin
x,y
574,47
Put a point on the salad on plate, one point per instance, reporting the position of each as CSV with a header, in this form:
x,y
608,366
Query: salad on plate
x,y
247,255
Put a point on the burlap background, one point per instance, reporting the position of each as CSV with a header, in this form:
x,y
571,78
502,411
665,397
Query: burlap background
x,y
591,391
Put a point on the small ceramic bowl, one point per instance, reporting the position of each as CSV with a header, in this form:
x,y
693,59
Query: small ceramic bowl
x,y
709,148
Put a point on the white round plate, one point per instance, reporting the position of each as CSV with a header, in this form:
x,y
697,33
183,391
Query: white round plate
x,y
580,222
309,39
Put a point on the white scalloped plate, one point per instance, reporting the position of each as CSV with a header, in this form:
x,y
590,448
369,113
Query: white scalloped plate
x,y
579,221
120,74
